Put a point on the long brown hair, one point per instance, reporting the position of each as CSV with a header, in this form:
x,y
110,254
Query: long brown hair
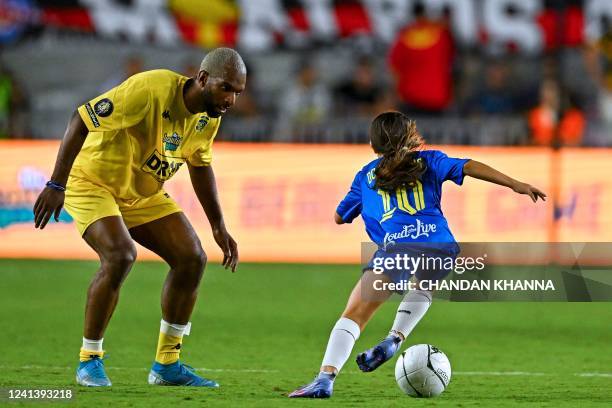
x,y
396,138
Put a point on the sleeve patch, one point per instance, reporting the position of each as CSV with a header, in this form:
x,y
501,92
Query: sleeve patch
x,y
104,107
92,115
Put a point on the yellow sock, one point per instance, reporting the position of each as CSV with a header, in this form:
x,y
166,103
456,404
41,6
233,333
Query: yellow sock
x,y
168,348
86,355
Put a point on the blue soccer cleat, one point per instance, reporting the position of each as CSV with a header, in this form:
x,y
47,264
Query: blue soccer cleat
x,y
178,374
91,373
373,358
321,387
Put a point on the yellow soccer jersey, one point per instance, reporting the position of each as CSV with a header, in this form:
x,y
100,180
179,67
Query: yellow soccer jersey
x,y
141,133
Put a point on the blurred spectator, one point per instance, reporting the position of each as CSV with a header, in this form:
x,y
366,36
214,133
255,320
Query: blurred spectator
x,y
543,118
495,95
190,69
605,108
305,104
360,95
605,98
421,60
599,65
133,65
546,123
13,107
572,125
245,106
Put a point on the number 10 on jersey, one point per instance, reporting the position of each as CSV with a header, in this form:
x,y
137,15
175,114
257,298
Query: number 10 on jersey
x,y
403,204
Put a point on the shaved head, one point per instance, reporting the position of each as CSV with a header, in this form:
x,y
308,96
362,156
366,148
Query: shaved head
x,y
220,80
222,62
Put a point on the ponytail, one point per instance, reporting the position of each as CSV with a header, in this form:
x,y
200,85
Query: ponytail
x,y
396,138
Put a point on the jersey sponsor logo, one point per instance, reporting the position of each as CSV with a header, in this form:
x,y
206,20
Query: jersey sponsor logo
x,y
166,114
172,142
162,167
202,122
92,115
412,231
104,107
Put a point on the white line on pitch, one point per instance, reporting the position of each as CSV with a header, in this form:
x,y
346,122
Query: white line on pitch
x,y
501,373
511,374
238,370
217,370
526,374
594,374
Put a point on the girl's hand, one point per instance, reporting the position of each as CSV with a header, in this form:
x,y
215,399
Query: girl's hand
x,y
531,191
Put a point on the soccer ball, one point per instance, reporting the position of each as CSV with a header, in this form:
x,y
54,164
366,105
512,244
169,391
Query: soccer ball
x,y
423,371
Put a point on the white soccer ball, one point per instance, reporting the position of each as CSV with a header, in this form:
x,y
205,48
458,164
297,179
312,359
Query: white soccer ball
x,y
423,371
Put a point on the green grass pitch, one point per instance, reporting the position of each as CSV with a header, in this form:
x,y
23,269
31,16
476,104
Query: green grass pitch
x,y
261,332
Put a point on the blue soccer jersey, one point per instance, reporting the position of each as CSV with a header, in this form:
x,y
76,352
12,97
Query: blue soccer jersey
x,y
409,214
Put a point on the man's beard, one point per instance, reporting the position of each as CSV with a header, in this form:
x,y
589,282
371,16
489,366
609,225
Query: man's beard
x,y
209,107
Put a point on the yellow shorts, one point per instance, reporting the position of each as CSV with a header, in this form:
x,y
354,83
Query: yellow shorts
x,y
87,202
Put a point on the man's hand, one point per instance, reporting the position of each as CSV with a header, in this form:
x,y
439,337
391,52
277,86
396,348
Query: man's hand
x,y
228,246
49,202
531,191
203,181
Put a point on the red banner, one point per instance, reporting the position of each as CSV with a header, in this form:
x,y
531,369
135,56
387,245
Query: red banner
x,y
498,26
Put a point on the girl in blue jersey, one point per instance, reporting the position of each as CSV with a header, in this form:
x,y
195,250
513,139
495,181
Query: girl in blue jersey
x,y
398,196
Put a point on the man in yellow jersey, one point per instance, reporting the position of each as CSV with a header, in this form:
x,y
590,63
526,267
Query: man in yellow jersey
x,y
117,152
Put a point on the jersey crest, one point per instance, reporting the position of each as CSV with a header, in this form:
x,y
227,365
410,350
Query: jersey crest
x,y
202,122
172,142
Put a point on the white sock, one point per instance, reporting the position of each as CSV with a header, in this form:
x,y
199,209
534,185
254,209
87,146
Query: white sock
x,y
410,311
173,329
341,342
92,345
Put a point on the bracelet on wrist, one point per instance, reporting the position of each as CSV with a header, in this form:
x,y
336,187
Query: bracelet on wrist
x,y
55,186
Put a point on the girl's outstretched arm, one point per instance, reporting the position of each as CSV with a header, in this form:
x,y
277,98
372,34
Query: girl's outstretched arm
x,y
338,218
481,171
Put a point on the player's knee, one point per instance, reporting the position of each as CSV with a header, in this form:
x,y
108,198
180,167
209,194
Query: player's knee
x,y
193,261
187,273
119,257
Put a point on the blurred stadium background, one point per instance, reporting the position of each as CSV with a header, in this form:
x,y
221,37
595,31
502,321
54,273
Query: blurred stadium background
x,y
489,72
524,84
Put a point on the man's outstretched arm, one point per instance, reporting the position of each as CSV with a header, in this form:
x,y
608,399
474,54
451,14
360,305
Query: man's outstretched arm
x,y
205,186
51,200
